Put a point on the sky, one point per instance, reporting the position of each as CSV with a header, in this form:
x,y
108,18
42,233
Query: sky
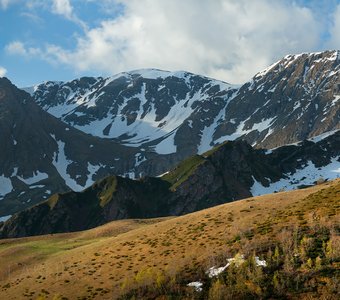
x,y
230,40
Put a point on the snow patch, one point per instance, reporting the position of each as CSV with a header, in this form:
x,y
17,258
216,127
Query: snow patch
x,y
259,262
139,158
37,186
5,186
335,100
322,136
208,132
197,285
213,271
92,169
266,70
61,163
167,146
5,218
37,176
237,260
307,175
240,131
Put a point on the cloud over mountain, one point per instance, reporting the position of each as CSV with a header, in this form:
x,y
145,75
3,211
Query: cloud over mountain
x,y
222,39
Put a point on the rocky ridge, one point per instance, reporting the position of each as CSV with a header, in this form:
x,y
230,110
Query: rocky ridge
x,y
229,172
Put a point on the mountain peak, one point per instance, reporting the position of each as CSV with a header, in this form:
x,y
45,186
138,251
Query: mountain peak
x,y
326,58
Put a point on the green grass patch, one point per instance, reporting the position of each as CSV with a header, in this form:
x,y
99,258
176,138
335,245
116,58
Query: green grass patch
x,y
109,188
213,150
52,201
183,171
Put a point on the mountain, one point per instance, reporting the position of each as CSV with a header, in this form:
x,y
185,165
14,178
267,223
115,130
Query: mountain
x,y
145,108
294,99
295,236
41,155
143,123
231,171
178,112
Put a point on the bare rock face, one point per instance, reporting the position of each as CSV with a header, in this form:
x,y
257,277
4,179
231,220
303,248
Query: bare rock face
x,y
227,173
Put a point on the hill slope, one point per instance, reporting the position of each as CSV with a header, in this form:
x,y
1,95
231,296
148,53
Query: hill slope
x,y
162,258
229,172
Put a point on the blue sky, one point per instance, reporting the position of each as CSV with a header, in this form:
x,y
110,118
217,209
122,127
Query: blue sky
x,y
225,39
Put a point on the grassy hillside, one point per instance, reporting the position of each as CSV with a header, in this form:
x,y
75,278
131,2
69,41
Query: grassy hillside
x,y
296,232
184,169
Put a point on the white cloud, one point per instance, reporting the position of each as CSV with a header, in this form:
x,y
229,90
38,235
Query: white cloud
x,y
28,4
65,9
18,48
3,71
225,39
334,41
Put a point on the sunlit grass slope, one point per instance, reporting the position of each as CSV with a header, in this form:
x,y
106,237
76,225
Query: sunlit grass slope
x,y
157,257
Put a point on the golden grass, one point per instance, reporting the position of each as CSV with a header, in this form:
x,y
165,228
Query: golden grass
x,y
98,262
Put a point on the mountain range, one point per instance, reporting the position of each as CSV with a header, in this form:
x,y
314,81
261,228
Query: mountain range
x,y
229,172
63,136
167,112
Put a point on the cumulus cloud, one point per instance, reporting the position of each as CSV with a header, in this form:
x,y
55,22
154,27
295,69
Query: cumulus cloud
x,y
65,9
18,48
3,71
225,39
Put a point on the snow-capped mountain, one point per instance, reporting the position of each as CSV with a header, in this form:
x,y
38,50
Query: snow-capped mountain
x,y
144,122
151,109
294,99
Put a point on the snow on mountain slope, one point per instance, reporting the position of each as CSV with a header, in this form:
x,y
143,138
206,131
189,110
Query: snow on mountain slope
x,y
41,155
146,121
167,112
293,99
5,186
308,161
307,175
138,107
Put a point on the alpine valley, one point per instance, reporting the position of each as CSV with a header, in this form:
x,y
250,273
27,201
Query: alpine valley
x,y
78,145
